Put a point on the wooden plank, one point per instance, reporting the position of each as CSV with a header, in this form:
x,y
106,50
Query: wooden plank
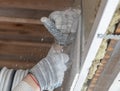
x,y
89,14
101,67
21,58
25,38
24,13
77,4
15,64
25,43
21,29
25,32
110,71
37,4
24,28
21,55
24,50
104,61
19,20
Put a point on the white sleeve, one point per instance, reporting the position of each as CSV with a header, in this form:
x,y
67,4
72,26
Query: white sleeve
x,y
23,86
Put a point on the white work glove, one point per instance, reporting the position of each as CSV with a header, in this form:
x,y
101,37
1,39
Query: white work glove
x,y
63,25
50,70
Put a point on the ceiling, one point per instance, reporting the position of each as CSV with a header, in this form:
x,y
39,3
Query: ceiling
x,y
23,38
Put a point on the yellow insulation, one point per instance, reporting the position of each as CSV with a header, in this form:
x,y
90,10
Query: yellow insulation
x,y
102,49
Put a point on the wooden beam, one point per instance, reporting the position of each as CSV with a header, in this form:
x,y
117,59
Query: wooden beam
x,y
25,38
21,55
19,20
16,64
104,61
20,49
25,33
37,4
77,4
24,28
110,71
101,67
22,15
16,43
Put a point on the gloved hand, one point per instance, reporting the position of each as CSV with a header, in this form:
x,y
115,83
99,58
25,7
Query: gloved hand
x,y
50,70
65,21
63,25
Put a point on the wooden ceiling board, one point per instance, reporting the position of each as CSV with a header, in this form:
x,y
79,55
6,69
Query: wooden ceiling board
x,y
37,4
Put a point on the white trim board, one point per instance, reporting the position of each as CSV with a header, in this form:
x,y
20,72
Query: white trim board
x,y
100,26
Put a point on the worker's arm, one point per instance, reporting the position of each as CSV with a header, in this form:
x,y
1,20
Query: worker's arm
x,y
32,81
28,84
48,74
